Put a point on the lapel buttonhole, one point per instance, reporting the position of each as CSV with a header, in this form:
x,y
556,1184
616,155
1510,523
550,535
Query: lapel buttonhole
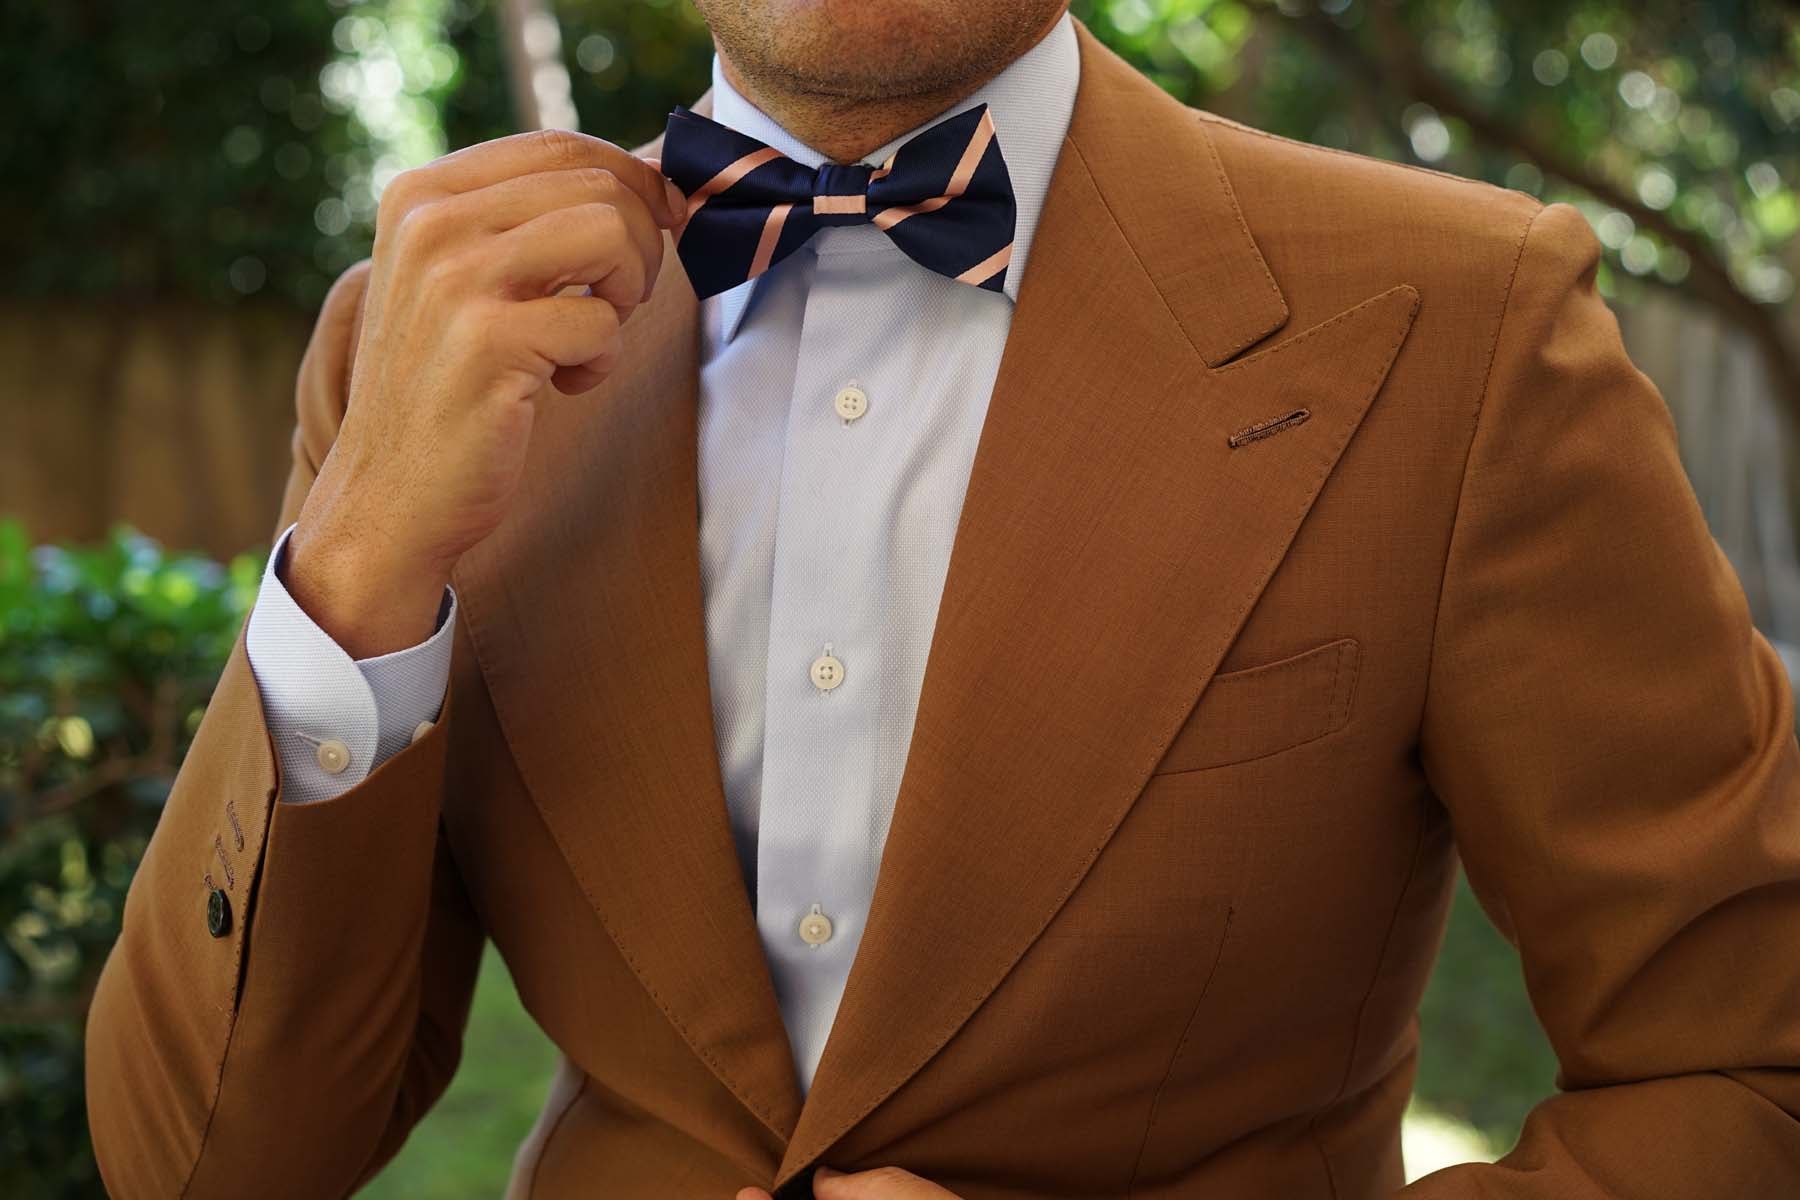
x,y
1268,428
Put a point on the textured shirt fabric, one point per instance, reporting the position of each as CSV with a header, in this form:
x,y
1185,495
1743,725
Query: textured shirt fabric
x,y
820,534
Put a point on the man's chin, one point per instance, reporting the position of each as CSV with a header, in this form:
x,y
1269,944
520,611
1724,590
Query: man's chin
x,y
862,50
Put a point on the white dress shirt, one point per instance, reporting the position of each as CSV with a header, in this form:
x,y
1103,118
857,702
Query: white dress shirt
x,y
841,397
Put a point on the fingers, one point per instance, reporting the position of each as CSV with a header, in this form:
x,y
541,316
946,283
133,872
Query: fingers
x,y
573,381
752,1193
677,198
577,335
488,163
521,220
511,203
596,244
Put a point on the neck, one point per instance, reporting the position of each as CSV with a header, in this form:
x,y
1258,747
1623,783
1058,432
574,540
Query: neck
x,y
844,129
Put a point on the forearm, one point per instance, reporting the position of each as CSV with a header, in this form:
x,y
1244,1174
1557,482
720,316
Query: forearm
x,y
218,1054
334,1054
288,1053
1615,743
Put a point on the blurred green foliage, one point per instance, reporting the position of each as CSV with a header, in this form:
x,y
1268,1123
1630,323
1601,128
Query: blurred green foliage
x,y
235,149
162,149
107,657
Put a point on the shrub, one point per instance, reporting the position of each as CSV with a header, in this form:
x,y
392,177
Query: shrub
x,y
107,657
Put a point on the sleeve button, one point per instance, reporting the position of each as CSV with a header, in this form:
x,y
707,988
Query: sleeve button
x,y
421,729
218,913
333,756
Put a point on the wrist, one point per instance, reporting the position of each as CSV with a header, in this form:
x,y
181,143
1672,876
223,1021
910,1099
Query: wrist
x,y
367,599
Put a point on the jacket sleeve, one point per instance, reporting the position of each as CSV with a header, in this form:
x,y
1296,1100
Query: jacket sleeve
x,y
287,1049
1615,744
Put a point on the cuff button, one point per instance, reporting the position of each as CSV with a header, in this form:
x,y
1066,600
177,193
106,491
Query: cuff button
x,y
421,729
218,913
333,756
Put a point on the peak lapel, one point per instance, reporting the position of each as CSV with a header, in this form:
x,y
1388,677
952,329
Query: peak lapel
x,y
585,611
1103,488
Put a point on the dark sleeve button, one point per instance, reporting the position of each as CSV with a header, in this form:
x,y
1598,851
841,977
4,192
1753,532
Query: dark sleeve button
x,y
218,913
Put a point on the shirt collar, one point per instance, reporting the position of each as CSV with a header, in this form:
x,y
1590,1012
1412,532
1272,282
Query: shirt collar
x,y
1031,101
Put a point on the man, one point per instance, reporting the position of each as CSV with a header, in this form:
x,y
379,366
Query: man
x,y
978,688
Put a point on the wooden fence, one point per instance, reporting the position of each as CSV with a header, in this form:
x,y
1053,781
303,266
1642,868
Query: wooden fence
x,y
1738,445
174,419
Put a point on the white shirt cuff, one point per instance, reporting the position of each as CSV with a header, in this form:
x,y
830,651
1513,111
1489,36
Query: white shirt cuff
x,y
334,719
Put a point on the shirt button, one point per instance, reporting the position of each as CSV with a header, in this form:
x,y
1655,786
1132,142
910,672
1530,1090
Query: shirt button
x,y
852,402
333,756
420,730
827,672
815,928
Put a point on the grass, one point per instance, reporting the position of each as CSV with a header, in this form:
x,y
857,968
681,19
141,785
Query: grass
x,y
1483,1059
1483,1064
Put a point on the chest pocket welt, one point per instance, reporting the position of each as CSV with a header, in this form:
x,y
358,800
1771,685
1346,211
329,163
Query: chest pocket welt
x,y
1268,708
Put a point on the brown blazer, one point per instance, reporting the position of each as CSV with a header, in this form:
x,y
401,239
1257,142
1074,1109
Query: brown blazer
x,y
1207,717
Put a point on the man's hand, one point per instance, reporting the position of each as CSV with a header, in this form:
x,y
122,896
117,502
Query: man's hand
x,y
464,321
883,1183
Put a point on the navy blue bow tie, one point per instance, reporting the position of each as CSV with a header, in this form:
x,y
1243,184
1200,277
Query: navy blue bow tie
x,y
944,197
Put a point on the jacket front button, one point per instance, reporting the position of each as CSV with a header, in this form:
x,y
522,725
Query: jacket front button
x,y
218,913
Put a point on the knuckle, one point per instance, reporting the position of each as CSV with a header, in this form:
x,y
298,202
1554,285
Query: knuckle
x,y
609,227
606,219
599,181
445,274
559,147
480,331
420,227
402,193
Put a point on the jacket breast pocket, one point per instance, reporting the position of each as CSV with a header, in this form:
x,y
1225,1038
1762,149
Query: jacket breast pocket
x,y
1262,710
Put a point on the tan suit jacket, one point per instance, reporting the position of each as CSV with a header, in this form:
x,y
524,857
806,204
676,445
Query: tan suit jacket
x,y
1207,717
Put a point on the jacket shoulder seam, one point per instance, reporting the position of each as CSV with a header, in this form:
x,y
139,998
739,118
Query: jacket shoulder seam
x,y
1215,119
1462,483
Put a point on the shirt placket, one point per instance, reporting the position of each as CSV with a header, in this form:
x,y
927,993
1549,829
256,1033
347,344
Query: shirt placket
x,y
822,699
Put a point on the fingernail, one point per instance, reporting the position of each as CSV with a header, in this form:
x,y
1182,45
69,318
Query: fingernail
x,y
825,1172
677,200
